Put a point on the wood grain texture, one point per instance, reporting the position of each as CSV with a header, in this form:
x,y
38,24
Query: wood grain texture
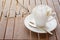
x,y
17,8
44,2
59,2
13,15
3,23
13,9
58,32
20,30
38,2
57,8
7,7
32,4
0,7
9,30
26,3
50,3
2,27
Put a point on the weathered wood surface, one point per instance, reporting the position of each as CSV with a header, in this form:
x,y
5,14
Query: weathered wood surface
x,y
12,16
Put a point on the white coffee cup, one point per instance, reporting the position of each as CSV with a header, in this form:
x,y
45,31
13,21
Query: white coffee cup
x,y
41,14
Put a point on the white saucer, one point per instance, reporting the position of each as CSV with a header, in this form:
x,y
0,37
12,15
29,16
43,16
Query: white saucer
x,y
51,25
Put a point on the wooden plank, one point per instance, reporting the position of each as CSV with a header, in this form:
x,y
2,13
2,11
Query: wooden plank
x,y
44,2
11,21
4,20
20,30
59,2
3,25
20,7
5,12
25,28
50,3
26,3
43,36
13,9
17,28
57,8
32,5
0,16
21,1
58,32
52,37
25,9
12,14
3,3
9,30
0,8
38,2
3,7
47,36
33,36
7,6
17,9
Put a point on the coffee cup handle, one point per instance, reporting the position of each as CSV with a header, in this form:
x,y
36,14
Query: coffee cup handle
x,y
54,16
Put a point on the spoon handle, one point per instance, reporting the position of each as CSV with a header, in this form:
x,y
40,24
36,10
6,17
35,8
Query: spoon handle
x,y
47,31
30,23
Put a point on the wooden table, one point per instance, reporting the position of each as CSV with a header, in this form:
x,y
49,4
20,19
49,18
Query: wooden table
x,y
12,16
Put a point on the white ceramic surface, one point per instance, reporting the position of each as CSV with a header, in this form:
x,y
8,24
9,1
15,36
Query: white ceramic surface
x,y
50,26
41,14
